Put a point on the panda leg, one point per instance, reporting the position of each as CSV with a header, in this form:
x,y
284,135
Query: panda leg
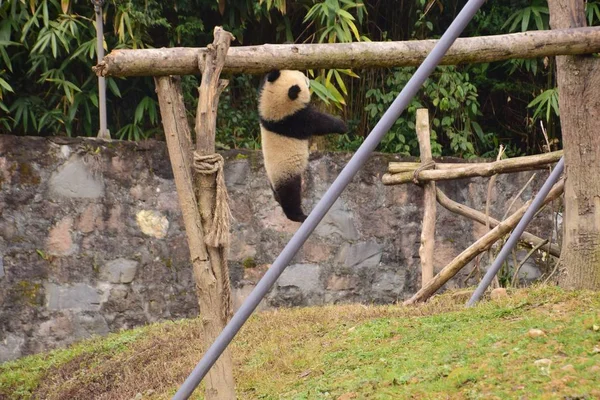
x,y
289,195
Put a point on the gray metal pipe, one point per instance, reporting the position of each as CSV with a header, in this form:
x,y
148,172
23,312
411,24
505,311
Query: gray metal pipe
x,y
356,162
103,131
517,232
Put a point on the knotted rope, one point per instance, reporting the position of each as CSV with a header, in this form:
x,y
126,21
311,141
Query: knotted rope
x,y
217,233
428,165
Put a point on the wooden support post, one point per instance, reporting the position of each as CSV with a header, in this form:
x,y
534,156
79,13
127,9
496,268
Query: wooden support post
x,y
207,250
429,203
478,247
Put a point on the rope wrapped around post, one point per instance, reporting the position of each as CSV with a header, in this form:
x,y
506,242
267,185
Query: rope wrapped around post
x,y
218,232
422,167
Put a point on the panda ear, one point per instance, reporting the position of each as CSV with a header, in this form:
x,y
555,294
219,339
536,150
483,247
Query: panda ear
x,y
293,92
273,75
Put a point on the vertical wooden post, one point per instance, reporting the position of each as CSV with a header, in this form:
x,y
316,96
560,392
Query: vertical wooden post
x,y
209,262
429,201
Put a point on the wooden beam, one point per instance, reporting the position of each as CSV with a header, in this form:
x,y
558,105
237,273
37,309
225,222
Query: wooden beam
x,y
260,59
482,169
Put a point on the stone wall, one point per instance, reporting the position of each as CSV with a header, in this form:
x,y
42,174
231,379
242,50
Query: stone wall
x,y
92,239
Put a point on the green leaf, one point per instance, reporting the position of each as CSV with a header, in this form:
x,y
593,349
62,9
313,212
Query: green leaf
x,y
45,12
340,82
139,112
345,14
112,86
5,85
311,12
336,94
525,20
478,130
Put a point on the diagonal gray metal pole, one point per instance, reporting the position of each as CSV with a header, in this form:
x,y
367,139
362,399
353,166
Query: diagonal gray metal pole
x,y
356,162
517,232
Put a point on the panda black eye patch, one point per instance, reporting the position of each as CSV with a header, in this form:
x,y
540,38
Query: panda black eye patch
x,y
293,92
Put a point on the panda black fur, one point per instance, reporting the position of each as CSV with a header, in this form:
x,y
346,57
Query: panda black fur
x,y
287,121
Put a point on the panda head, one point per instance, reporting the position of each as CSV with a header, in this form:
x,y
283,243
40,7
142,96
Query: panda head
x,y
282,94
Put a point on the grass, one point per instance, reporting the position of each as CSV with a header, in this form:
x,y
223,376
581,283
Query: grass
x,y
438,350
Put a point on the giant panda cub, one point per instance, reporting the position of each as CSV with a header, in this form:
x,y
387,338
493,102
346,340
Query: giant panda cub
x,y
287,121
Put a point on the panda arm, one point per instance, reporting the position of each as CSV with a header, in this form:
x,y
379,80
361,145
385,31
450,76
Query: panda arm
x,y
305,123
320,123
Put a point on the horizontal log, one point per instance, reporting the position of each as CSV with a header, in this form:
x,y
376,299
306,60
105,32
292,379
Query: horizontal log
x,y
259,59
396,167
482,169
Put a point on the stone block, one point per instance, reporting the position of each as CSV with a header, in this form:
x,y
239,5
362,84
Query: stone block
x,y
85,326
341,282
153,223
59,328
361,255
387,283
90,219
60,242
2,274
74,179
79,296
11,347
236,172
120,270
303,276
338,222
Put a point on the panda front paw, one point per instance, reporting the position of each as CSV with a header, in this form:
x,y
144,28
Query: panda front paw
x,y
297,217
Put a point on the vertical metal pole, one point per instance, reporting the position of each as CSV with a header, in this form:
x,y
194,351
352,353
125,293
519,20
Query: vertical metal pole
x,y
356,162
103,133
517,232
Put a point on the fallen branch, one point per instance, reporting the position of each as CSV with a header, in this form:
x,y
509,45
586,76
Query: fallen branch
x,y
478,247
260,59
478,216
516,164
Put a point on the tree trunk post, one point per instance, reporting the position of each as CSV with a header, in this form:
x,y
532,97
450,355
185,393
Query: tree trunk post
x,y
207,236
578,79
429,202
213,207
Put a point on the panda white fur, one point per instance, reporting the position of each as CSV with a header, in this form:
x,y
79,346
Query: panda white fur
x,y
287,121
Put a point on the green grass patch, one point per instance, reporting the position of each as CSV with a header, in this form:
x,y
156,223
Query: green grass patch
x,y
437,350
